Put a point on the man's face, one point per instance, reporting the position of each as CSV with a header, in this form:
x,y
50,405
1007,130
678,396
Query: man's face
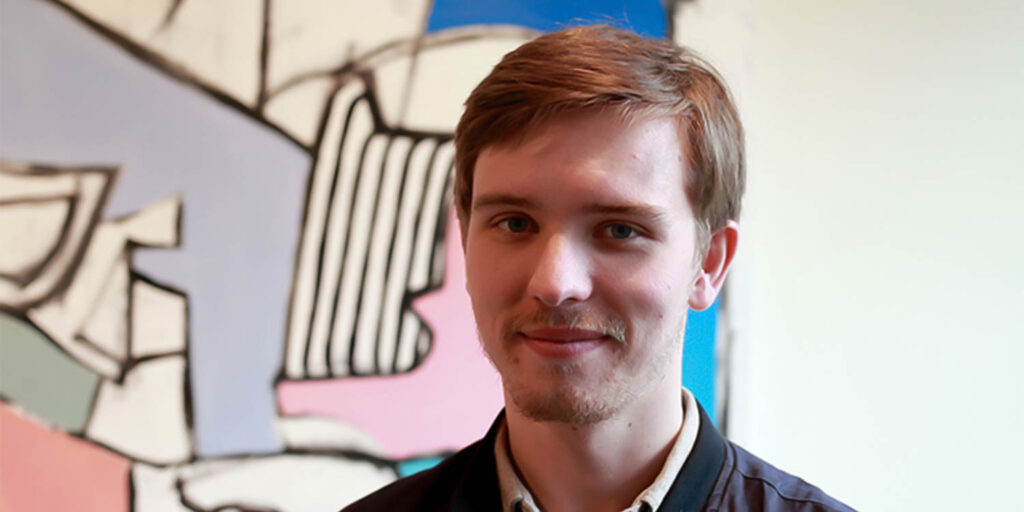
x,y
580,256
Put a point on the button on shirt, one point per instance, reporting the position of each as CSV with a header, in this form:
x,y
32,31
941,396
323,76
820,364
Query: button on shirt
x,y
515,497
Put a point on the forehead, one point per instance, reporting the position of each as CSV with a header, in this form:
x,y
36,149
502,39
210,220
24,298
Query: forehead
x,y
594,152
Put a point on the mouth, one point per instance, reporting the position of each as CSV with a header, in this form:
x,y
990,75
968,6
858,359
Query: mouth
x,y
562,342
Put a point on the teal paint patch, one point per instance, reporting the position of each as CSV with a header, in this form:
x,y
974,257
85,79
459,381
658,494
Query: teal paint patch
x,y
38,376
413,466
700,364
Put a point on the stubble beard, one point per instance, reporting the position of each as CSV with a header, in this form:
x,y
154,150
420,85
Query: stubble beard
x,y
573,396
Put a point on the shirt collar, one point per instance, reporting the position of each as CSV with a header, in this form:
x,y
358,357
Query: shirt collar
x,y
516,497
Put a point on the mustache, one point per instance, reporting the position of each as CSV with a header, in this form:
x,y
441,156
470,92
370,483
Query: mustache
x,y
608,325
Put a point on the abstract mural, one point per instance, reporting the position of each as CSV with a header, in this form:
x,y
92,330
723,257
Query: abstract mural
x,y
256,299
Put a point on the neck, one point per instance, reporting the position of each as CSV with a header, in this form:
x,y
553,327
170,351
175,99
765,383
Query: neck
x,y
600,466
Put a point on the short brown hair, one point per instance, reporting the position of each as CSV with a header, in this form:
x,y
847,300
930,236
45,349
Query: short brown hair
x,y
592,68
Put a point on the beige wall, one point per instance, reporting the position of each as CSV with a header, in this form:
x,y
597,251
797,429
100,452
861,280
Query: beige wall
x,y
879,294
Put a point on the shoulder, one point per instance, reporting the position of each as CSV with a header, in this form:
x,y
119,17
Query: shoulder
x,y
432,489
749,483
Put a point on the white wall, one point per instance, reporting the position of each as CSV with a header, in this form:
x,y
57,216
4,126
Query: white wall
x,y
879,293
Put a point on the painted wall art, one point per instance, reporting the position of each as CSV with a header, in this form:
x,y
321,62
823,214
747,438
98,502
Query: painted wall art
x,y
230,275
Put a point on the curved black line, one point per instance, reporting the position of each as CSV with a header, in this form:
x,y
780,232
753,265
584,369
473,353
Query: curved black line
x,y
109,177
171,13
32,200
318,274
344,254
438,39
38,169
437,270
299,241
108,280
136,277
261,96
409,297
92,407
387,265
81,338
369,249
36,269
131,489
344,260
421,354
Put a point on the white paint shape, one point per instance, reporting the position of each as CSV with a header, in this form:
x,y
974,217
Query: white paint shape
x,y
391,78
324,433
105,251
49,318
398,272
154,489
326,165
90,318
445,74
88,187
17,181
286,483
298,108
316,35
218,40
29,232
354,271
156,225
215,41
159,320
134,20
722,32
106,325
144,417
432,209
375,276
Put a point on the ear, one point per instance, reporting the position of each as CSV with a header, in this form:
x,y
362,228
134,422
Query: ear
x,y
711,275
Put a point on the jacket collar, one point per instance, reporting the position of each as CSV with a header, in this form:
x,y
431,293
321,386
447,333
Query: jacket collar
x,y
478,489
693,485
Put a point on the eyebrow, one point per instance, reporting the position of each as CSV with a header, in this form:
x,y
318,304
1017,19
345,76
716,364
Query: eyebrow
x,y
631,210
489,200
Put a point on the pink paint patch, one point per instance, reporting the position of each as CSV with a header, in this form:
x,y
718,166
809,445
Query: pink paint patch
x,y
45,469
445,403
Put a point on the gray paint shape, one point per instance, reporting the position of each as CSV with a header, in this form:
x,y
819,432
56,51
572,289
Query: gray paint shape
x,y
37,375
68,96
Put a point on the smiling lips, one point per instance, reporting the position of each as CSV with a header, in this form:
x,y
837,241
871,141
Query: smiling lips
x,y
562,342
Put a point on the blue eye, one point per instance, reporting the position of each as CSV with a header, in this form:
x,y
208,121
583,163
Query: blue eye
x,y
516,224
620,231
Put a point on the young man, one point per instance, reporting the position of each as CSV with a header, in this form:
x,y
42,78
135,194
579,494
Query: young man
x,y
598,183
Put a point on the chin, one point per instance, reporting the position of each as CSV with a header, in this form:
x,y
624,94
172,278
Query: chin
x,y
573,404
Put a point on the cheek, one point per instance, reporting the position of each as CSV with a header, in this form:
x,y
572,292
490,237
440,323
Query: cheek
x,y
651,302
491,283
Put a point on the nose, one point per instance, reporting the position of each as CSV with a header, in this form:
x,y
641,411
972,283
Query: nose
x,y
561,273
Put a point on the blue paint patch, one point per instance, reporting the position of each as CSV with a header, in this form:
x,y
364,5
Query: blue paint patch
x,y
645,17
699,362
412,466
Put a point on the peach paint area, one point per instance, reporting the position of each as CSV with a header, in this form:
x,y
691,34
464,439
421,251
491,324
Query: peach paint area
x,y
46,469
444,404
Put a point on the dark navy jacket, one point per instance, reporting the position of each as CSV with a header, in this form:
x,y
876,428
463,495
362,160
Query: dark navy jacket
x,y
717,476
